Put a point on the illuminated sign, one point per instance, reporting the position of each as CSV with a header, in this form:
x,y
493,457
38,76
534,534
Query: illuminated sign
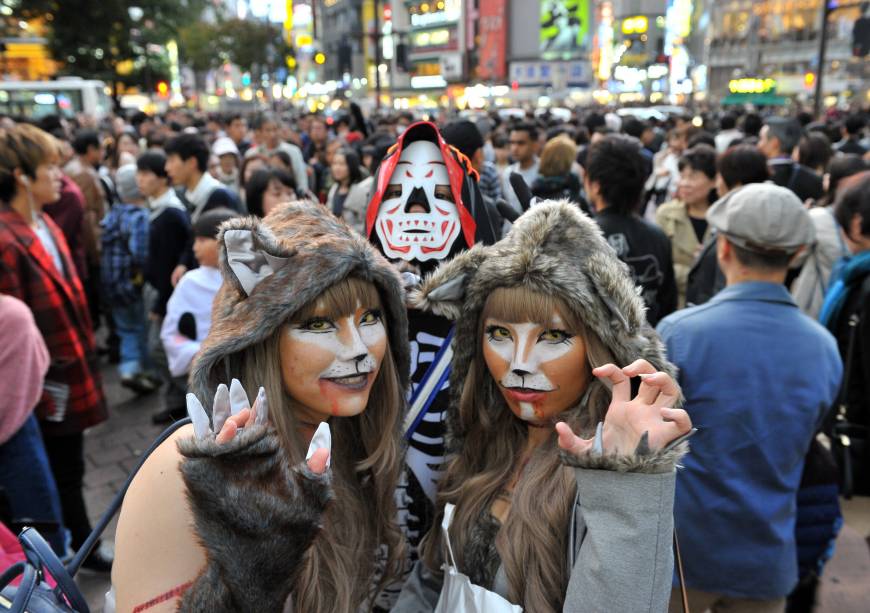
x,y
431,38
635,25
752,86
565,29
436,14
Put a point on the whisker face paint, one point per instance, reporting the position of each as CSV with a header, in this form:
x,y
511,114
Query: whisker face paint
x,y
329,365
540,370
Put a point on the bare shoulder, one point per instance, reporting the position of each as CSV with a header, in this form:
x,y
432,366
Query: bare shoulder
x,y
156,550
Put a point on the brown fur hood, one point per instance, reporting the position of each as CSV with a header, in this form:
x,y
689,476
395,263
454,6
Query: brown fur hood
x,y
554,249
273,267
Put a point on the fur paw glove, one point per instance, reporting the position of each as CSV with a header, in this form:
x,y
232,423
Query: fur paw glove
x,y
254,515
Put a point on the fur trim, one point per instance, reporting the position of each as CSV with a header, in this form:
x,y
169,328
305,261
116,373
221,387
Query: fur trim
x,y
661,461
322,251
254,540
554,249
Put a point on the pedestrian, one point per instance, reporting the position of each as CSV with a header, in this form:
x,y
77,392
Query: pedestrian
x,y
227,171
168,238
740,165
348,196
123,260
556,177
812,283
852,131
27,486
188,312
728,132
466,137
846,313
614,185
36,267
267,188
736,498
187,165
266,134
684,220
524,152
779,137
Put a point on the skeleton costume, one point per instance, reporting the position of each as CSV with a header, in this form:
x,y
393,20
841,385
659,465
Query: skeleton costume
x,y
425,208
254,536
619,554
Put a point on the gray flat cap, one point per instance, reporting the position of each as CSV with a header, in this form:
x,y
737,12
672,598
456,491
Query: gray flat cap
x,y
763,217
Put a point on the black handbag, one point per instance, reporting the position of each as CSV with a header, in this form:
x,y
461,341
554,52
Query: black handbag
x,y
848,439
34,594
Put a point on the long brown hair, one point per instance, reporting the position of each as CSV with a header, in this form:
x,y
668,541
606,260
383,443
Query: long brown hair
x,y
532,543
360,549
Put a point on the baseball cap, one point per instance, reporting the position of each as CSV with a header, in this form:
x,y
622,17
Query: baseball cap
x,y
763,217
223,146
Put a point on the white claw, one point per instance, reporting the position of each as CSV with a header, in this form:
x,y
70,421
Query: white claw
x,y
221,407
262,412
238,397
322,439
198,416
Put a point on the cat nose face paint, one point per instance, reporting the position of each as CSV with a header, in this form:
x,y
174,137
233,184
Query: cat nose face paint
x,y
329,365
540,370
417,219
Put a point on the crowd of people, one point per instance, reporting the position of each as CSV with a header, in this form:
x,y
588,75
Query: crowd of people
x,y
747,236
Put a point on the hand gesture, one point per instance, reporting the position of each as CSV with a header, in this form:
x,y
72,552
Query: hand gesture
x,y
647,422
251,508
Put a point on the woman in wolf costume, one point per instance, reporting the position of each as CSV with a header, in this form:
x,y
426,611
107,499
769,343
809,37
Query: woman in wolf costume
x,y
312,316
550,332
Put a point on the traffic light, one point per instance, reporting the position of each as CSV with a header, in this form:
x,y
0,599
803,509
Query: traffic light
x,y
319,58
345,57
163,89
402,57
861,37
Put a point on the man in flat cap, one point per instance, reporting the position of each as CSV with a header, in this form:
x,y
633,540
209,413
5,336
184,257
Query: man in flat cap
x,y
758,377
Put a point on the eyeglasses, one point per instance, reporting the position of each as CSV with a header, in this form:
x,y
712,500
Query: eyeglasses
x,y
519,142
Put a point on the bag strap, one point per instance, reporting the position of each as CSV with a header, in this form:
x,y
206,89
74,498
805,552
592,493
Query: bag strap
x,y
432,382
449,508
86,548
29,581
678,563
44,558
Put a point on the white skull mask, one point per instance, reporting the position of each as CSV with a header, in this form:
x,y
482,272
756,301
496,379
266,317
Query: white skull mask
x,y
418,219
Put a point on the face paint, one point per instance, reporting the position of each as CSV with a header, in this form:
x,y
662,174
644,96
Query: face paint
x,y
417,219
540,370
329,366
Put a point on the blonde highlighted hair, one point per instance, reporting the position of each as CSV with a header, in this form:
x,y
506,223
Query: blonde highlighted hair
x,y
360,550
532,542
24,147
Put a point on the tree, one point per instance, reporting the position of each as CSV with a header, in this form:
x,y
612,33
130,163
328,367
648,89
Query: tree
x,y
92,37
253,44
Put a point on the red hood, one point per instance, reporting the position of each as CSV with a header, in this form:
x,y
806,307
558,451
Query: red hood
x,y
455,171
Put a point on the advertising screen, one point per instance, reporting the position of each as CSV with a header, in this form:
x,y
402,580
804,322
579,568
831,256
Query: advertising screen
x,y
493,40
564,29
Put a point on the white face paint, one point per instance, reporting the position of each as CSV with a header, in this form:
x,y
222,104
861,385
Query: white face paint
x,y
418,219
358,342
526,353
541,370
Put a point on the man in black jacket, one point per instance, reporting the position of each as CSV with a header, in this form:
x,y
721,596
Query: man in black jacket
x,y
779,136
615,177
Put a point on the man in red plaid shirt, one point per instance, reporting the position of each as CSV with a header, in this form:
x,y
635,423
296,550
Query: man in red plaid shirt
x,y
36,267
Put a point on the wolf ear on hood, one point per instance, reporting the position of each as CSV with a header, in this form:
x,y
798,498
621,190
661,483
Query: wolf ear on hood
x,y
443,293
248,259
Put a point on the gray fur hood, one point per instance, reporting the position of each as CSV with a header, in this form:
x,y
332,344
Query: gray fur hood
x,y
274,266
554,249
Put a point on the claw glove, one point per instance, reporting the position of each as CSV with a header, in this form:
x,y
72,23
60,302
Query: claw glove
x,y
254,514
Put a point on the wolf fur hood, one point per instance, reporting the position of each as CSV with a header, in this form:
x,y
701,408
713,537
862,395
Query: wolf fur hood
x,y
274,266
554,249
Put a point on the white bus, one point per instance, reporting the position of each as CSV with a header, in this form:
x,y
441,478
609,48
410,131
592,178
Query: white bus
x,y
66,97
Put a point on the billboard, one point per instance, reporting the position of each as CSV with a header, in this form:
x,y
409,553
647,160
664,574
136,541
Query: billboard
x,y
492,63
565,29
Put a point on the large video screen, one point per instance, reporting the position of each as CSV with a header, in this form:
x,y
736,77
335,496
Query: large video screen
x,y
565,29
